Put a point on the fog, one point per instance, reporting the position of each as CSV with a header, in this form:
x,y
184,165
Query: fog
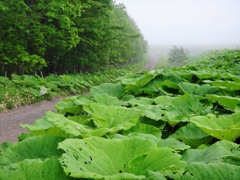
x,y
187,22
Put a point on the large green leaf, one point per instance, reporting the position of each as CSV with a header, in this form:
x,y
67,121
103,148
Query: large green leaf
x,y
33,169
115,90
166,78
206,74
215,153
40,124
4,146
140,82
132,158
172,143
157,160
192,135
74,129
227,85
155,175
68,105
140,101
230,102
37,147
197,89
82,99
44,127
218,171
163,100
100,158
107,100
113,117
232,77
168,87
183,108
154,112
144,128
223,127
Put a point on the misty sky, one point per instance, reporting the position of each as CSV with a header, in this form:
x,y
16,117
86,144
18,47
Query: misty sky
x,y
182,22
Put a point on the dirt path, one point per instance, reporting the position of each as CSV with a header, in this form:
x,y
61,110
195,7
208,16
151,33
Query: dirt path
x,y
151,63
10,119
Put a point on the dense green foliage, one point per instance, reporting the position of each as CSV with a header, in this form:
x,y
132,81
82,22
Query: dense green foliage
x,y
61,36
26,89
179,123
177,55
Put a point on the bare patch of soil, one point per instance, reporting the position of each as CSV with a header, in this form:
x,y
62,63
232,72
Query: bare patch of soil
x,y
151,64
10,119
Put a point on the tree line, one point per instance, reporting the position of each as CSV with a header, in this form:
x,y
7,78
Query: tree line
x,y
66,36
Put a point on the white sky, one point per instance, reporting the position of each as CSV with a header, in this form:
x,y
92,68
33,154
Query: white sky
x,y
179,22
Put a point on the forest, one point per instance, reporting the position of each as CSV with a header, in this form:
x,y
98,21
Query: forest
x,y
66,36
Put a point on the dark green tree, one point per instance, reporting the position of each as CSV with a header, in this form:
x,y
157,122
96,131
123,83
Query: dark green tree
x,y
178,55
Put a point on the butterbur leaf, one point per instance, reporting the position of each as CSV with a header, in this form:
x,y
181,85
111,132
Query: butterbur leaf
x,y
155,175
143,128
107,100
197,89
144,80
172,143
130,79
82,99
202,171
37,147
223,127
215,153
40,124
115,90
226,101
206,74
74,129
228,85
80,119
149,88
192,135
44,127
68,105
100,158
233,159
140,101
168,87
164,100
144,136
184,107
4,146
153,112
140,83
113,117
33,169
157,160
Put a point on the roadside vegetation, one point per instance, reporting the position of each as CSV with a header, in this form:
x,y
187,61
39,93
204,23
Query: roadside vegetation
x,y
173,123
28,89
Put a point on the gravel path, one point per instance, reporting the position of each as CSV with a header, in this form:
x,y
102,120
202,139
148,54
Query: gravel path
x,y
151,63
10,119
